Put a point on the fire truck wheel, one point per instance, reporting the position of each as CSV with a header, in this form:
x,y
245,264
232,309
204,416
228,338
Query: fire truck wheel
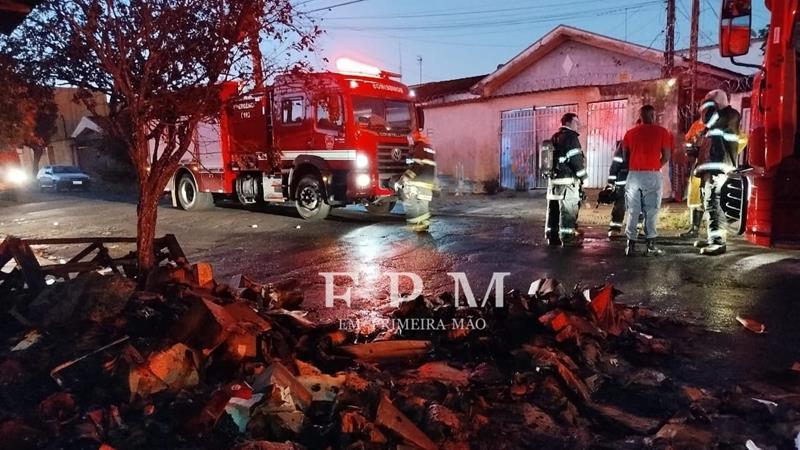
x,y
189,198
309,199
381,208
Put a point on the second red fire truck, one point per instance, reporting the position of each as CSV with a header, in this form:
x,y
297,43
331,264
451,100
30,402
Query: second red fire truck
x,y
321,140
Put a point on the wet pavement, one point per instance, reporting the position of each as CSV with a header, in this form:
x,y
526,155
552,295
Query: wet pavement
x,y
479,236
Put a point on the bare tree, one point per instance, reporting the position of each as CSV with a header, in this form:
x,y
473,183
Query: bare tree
x,y
162,64
27,109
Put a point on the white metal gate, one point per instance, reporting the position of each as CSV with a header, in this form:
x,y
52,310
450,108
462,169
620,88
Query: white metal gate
x,y
516,148
606,125
521,134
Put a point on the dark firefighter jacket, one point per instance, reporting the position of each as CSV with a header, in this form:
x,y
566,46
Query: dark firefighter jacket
x,y
568,157
618,173
423,168
720,147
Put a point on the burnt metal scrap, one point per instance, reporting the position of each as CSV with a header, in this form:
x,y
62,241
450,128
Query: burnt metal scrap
x,y
187,362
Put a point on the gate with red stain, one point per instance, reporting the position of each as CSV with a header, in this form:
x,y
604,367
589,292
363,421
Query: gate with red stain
x,y
606,125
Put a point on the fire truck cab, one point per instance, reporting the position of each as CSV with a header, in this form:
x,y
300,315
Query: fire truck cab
x,y
770,213
321,140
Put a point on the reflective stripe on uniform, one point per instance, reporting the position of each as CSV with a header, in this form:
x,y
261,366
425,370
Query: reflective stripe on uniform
x,y
621,183
616,224
714,166
612,177
618,159
567,231
420,184
562,159
730,137
554,197
573,152
562,181
429,150
425,197
714,119
428,162
419,219
581,173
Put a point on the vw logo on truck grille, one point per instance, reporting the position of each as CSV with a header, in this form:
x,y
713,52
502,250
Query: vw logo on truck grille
x,y
397,154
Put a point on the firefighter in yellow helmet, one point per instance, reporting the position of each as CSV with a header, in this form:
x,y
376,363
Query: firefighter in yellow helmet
x,y
417,185
694,198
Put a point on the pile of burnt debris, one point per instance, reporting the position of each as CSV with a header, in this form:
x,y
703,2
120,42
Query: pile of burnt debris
x,y
91,361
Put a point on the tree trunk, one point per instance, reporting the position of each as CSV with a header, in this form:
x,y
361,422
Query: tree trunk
x,y
38,152
147,213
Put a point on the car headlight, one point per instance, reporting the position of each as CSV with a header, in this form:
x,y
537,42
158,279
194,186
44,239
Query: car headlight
x,y
362,161
17,176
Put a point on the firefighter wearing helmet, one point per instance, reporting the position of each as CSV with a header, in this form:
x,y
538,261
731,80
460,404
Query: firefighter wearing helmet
x,y
564,187
417,185
716,158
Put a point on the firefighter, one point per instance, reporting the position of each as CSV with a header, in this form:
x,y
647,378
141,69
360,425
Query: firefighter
x,y
564,187
717,157
617,177
694,200
417,185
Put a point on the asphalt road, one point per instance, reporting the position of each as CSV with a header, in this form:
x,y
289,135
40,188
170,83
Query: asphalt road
x,y
475,235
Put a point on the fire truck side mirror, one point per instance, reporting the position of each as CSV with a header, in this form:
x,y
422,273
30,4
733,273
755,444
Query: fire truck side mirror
x,y
735,28
420,118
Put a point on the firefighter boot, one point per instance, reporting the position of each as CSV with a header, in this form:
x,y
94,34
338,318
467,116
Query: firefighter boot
x,y
694,231
630,248
553,241
573,241
652,250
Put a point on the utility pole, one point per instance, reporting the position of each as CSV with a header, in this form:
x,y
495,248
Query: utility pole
x,y
626,24
400,54
669,51
419,61
693,52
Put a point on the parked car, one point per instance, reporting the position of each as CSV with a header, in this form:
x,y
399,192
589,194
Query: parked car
x,y
59,178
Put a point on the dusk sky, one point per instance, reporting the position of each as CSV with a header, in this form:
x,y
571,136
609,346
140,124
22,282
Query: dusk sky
x,y
460,38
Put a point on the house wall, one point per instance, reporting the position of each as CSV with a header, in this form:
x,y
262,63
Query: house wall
x,y
577,64
62,151
467,135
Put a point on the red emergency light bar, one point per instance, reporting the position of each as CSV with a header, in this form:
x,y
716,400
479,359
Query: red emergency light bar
x,y
351,67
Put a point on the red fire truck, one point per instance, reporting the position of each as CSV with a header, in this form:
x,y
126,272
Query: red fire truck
x,y
771,195
340,138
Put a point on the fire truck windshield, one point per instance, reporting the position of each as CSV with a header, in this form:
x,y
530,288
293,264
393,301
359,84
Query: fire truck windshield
x,y
382,115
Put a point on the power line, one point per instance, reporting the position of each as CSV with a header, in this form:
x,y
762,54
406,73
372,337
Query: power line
x,y
451,13
327,8
482,24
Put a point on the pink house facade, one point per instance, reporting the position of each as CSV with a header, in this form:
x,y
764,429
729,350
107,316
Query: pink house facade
x,y
490,132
